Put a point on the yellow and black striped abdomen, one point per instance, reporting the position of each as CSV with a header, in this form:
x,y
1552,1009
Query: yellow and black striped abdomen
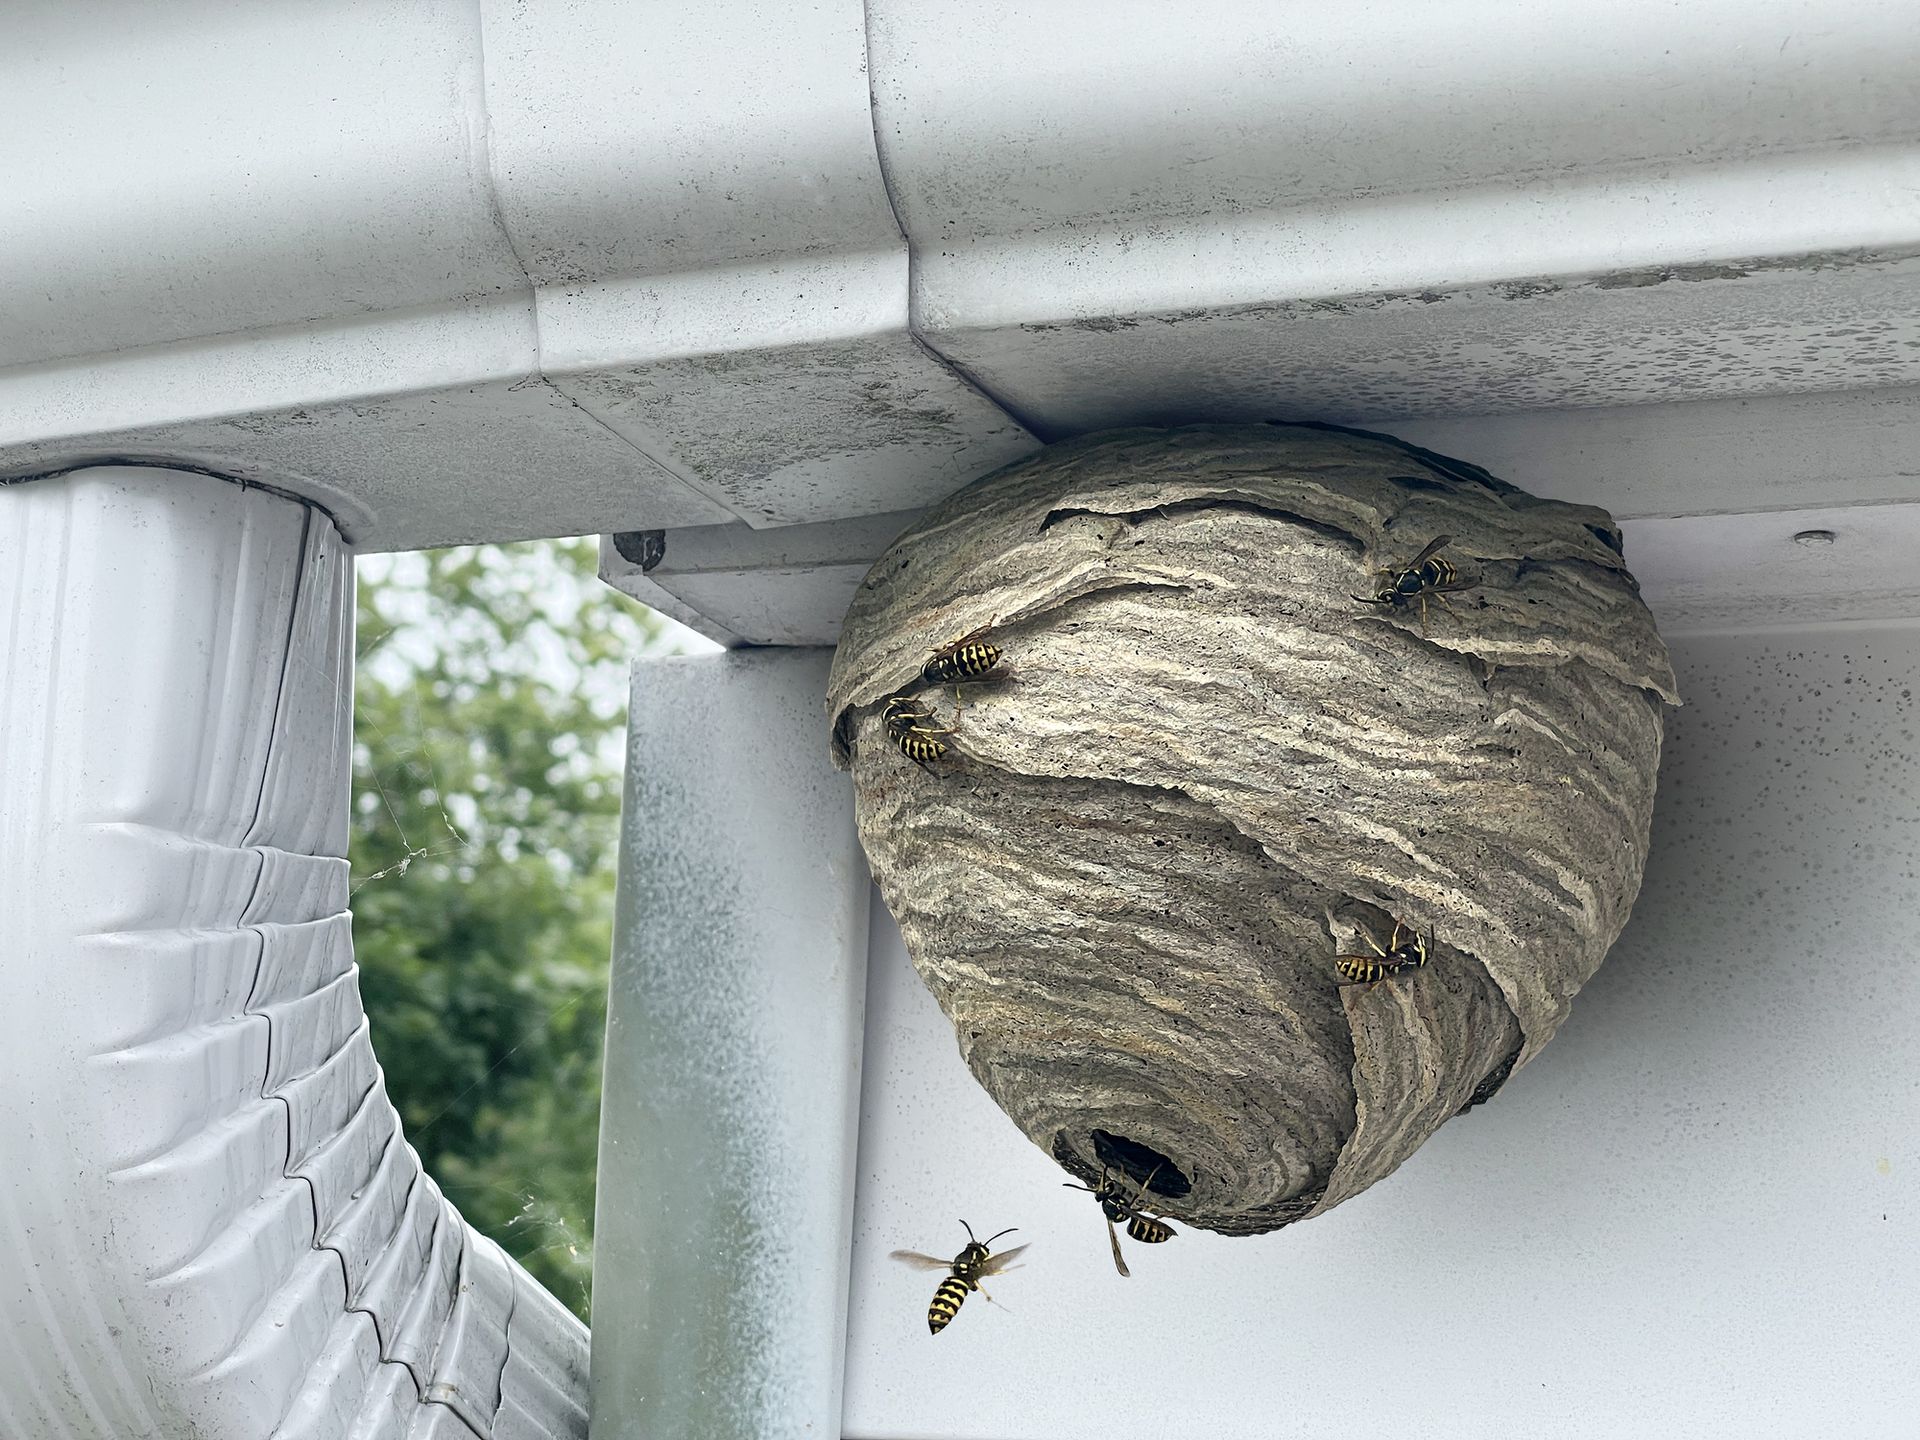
x,y
912,729
1437,572
1149,1231
976,657
947,1301
920,747
1358,969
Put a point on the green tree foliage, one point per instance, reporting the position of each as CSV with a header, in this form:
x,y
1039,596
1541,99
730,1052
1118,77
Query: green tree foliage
x,y
488,718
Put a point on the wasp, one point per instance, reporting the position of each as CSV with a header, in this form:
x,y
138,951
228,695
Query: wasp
x,y
1118,1207
912,730
967,658
1428,573
974,1263
1406,950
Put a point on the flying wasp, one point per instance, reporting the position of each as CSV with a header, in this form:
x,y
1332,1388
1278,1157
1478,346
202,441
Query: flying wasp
x,y
974,1263
1406,950
911,728
1118,1207
1428,574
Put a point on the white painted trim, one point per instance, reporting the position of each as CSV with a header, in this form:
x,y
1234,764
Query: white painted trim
x,y
734,1042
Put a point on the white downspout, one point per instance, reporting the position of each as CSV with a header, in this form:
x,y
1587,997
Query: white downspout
x,y
210,1224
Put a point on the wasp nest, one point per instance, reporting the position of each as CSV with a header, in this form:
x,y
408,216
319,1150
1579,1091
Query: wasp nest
x,y
1233,713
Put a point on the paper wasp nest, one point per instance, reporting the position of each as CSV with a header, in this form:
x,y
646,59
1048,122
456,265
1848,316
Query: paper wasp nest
x,y
1209,769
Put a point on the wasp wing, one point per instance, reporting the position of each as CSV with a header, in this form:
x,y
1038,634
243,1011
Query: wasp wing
x,y
1119,1260
997,1264
1434,547
919,1261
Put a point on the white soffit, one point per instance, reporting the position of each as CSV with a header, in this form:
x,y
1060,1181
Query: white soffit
x,y
1756,471
1700,574
491,270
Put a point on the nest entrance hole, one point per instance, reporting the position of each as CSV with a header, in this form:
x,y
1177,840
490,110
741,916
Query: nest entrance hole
x,y
1142,1164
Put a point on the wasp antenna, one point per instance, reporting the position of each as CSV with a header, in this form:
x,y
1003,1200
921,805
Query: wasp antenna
x,y
991,1238
969,1229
